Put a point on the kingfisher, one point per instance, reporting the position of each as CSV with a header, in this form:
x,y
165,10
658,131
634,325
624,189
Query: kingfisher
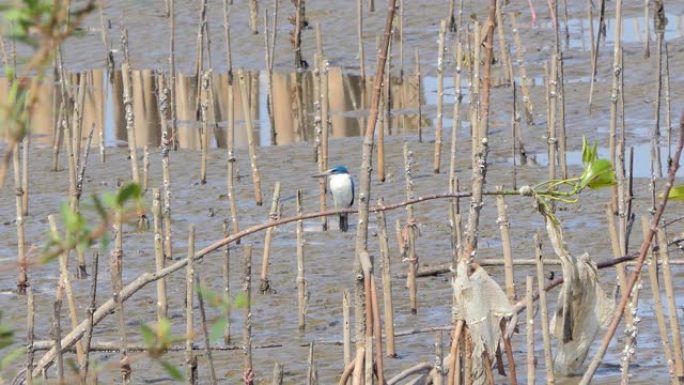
x,y
341,186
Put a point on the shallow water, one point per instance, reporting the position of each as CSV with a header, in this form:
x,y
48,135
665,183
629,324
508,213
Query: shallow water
x,y
329,254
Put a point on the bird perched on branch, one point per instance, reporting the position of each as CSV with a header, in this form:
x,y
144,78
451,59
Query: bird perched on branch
x,y
341,186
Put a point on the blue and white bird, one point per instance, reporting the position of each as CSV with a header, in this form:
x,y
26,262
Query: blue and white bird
x,y
341,186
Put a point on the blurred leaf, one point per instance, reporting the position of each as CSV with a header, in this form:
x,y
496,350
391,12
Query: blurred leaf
x,y
128,191
12,356
6,336
109,199
99,207
676,193
73,366
598,174
148,335
240,301
164,329
172,370
217,329
104,242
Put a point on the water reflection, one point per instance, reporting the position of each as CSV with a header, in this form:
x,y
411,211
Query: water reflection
x,y
293,107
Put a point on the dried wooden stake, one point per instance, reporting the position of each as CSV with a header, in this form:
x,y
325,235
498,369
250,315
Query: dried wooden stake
x,y
91,311
671,305
248,374
529,107
22,261
204,131
409,233
265,286
420,101
226,283
116,266
386,281
165,147
253,16
277,374
205,330
301,280
504,228
256,175
30,323
162,306
312,375
128,107
346,327
546,336
436,162
529,330
190,357
359,34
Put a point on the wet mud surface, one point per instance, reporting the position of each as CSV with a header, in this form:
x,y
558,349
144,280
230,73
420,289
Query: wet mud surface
x,y
329,255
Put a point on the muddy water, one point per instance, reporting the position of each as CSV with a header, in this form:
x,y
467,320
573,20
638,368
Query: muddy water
x,y
329,254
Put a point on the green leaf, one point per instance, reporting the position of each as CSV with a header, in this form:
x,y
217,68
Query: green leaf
x,y
128,191
6,336
172,370
149,336
676,193
217,329
598,174
589,152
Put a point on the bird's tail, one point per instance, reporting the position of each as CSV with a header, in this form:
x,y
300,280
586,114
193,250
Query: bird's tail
x,y
344,222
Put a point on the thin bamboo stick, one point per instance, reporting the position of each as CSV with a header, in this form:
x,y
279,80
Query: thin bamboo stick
x,y
204,132
458,98
359,35
520,60
411,256
595,53
91,310
66,288
546,336
505,54
128,107
226,283
172,77
30,326
386,281
504,228
230,130
265,287
256,175
116,266
529,331
165,147
190,357
162,304
436,162
278,370
205,331
671,306
301,280
253,16
248,375
56,333
346,327
22,261
417,74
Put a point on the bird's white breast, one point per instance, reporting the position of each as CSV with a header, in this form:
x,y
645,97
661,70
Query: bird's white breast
x,y
341,187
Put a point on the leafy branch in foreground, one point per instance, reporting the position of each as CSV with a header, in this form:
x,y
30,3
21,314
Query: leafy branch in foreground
x,y
43,26
78,233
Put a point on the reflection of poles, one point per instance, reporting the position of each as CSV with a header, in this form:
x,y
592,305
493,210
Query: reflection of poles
x,y
204,133
256,177
172,74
